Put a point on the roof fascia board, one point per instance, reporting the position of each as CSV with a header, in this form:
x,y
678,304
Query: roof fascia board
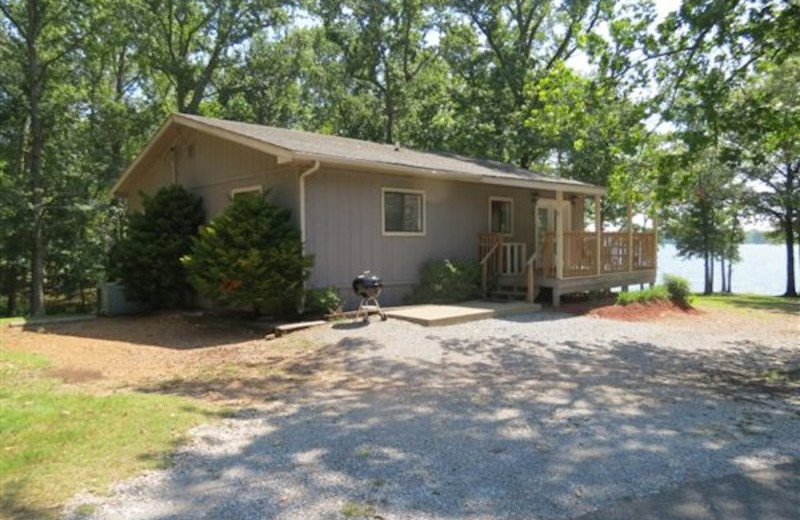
x,y
449,175
145,153
284,155
547,186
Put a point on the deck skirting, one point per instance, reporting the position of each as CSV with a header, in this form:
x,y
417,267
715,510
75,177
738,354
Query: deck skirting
x,y
597,282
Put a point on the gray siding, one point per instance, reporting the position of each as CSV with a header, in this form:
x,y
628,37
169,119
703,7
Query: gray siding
x,y
344,227
211,168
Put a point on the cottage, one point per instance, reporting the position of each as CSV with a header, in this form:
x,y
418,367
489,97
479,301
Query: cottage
x,y
368,206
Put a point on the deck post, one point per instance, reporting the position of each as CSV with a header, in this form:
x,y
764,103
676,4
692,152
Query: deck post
x,y
559,234
655,241
630,236
598,229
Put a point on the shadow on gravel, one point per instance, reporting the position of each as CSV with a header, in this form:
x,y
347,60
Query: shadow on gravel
x,y
505,427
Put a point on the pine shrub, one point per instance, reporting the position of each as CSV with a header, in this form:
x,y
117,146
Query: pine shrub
x,y
148,260
250,256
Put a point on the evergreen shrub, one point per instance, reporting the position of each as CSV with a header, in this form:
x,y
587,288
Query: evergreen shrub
x,y
250,256
148,260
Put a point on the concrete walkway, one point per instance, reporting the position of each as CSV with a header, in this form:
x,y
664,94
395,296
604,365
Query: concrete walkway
x,y
772,494
436,315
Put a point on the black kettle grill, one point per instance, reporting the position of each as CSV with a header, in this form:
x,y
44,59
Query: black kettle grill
x,y
368,286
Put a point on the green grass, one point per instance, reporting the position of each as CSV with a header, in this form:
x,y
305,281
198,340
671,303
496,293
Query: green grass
x,y
751,303
357,509
50,318
656,294
54,443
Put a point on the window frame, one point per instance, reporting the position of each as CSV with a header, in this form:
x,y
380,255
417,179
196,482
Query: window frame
x,y
247,189
510,201
422,208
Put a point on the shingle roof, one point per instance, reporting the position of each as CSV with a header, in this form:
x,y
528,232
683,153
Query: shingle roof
x,y
320,147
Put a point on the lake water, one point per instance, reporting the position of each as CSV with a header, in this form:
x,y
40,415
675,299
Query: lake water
x,y
762,269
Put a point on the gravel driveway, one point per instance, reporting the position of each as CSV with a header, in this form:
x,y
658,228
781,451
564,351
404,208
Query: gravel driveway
x,y
541,416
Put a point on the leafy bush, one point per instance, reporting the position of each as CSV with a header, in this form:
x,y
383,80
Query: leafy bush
x,y
656,294
323,301
148,259
251,256
679,289
447,281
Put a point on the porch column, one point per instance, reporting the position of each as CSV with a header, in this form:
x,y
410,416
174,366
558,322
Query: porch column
x,y
655,240
598,238
630,236
559,234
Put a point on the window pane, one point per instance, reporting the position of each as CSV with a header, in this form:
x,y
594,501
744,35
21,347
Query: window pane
x,y
246,194
403,212
394,211
501,216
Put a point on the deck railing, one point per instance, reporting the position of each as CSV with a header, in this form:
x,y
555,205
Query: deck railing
x,y
619,252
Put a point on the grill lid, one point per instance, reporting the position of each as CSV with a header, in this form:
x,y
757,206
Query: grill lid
x,y
367,285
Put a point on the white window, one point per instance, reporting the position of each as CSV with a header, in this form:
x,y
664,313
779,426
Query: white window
x,y
501,215
403,212
249,191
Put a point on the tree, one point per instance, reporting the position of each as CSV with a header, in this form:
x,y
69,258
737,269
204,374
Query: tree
x,y
765,135
43,36
148,259
251,255
384,49
184,43
498,52
705,217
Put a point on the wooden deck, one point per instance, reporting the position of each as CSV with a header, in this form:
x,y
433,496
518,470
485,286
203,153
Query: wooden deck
x,y
582,261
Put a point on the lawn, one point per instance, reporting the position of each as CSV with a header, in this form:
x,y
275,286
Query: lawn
x,y
754,304
86,403
55,442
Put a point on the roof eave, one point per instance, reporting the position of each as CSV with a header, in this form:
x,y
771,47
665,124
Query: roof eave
x,y
453,175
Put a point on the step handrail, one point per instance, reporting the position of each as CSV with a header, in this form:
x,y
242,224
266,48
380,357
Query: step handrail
x,y
529,271
485,269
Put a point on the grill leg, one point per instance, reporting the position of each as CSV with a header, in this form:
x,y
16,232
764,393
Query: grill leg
x,y
365,306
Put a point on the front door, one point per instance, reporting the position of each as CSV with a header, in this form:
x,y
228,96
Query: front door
x,y
546,223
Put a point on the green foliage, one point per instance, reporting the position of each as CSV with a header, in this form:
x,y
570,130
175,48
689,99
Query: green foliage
x,y
448,281
148,259
323,301
679,289
251,256
658,293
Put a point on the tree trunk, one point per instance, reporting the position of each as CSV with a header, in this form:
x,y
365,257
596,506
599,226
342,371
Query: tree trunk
x,y
34,83
791,289
708,273
722,274
730,277
11,291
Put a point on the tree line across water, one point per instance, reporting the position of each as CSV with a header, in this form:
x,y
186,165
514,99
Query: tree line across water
x,y
693,114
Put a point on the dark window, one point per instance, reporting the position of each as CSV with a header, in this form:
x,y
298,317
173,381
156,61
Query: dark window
x,y
403,212
500,216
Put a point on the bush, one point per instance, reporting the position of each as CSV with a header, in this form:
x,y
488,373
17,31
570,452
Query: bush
x,y
323,301
448,281
250,256
656,294
148,260
679,289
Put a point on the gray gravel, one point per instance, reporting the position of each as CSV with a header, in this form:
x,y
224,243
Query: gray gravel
x,y
545,416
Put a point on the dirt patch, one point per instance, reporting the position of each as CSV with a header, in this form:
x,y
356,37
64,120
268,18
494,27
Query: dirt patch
x,y
174,353
653,311
75,375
